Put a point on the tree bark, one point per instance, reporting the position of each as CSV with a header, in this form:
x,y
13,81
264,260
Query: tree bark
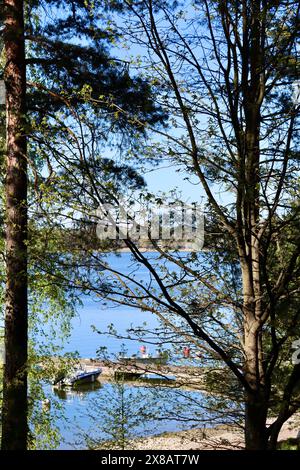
x,y
14,408
250,251
256,403
255,422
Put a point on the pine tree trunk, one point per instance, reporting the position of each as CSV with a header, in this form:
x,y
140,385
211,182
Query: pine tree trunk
x,y
14,411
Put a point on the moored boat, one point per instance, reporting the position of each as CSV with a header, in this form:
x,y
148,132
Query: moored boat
x,y
78,377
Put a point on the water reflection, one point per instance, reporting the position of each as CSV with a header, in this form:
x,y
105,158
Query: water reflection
x,y
79,392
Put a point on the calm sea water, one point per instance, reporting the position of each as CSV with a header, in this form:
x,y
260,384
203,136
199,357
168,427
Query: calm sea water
x,y
99,314
83,412
87,413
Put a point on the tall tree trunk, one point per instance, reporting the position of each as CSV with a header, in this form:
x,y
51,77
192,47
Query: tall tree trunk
x,y
250,247
256,406
14,412
255,422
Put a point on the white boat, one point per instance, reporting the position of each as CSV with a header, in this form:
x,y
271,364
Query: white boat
x,y
78,377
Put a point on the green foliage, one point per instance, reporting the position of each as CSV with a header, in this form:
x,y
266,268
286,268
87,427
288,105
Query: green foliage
x,y
289,444
118,413
69,56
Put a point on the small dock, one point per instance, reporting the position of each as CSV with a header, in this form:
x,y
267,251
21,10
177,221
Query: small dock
x,y
138,370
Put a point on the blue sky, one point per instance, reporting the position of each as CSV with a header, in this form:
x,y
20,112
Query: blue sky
x,y
166,178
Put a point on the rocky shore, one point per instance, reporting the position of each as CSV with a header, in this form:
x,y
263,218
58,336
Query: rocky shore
x,y
218,438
